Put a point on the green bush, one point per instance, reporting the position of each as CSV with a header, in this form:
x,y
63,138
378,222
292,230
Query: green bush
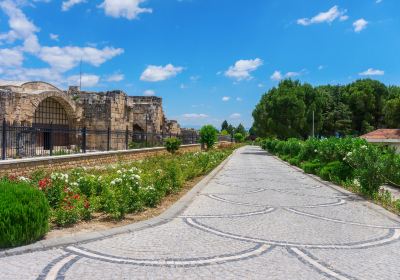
x,y
24,214
239,138
172,144
208,136
311,167
336,171
294,161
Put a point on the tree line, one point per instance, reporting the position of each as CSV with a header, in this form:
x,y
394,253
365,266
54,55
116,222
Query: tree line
x,y
289,110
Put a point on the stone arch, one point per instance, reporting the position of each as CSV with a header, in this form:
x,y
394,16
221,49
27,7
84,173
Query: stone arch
x,y
137,128
74,115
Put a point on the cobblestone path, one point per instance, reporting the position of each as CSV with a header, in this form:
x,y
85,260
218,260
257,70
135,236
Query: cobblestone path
x,y
256,219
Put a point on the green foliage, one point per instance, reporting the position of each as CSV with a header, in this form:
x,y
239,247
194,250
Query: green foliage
x,y
286,111
225,126
240,129
239,138
208,136
294,161
224,133
119,189
311,167
24,214
172,144
336,171
341,160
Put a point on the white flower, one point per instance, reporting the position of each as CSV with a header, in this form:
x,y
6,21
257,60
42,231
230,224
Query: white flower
x,y
24,179
349,154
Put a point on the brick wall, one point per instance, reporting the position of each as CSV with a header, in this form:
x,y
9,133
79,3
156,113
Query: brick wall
x,y
26,166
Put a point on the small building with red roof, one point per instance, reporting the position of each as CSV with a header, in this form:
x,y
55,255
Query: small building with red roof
x,y
388,137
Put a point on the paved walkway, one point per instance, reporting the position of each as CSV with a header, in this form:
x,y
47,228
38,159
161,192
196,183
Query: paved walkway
x,y
257,219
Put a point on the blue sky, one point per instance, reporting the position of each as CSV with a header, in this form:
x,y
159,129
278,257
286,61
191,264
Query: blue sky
x,y
210,60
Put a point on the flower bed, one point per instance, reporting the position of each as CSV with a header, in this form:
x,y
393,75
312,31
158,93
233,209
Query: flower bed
x,y
351,162
118,189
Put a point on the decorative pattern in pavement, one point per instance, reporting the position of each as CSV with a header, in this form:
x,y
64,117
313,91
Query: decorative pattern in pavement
x,y
257,218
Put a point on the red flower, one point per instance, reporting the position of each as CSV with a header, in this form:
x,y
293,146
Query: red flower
x,y
86,204
44,183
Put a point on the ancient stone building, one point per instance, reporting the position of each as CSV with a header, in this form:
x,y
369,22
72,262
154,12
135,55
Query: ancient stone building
x,y
39,104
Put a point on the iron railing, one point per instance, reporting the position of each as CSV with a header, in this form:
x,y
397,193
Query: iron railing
x,y
30,141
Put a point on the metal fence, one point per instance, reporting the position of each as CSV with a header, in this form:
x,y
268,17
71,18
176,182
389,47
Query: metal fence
x,y
26,142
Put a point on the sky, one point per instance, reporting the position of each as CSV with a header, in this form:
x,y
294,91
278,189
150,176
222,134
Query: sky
x,y
209,60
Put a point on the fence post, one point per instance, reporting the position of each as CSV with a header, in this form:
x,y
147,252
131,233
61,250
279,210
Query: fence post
x,y
108,138
126,139
84,140
4,140
51,138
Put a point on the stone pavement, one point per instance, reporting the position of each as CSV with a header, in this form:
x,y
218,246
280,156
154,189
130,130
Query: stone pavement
x,y
257,218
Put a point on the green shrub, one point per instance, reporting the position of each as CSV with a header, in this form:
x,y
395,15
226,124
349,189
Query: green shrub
x,y
294,161
239,138
24,214
368,167
208,136
311,167
336,171
172,144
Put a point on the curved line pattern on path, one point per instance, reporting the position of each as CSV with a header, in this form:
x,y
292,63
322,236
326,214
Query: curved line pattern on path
x,y
338,221
258,250
391,236
241,215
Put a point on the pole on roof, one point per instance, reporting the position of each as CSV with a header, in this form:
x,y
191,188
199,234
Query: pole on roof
x,y
80,75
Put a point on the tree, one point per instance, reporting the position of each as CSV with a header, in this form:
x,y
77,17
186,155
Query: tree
x,y
208,136
230,129
172,144
224,126
366,100
392,113
240,129
239,138
289,109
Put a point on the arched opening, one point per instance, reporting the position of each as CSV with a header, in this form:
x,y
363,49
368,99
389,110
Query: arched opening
x,y
53,123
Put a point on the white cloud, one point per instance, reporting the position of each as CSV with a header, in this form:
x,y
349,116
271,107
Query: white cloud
x,y
276,76
66,58
115,78
226,98
66,5
329,16
36,74
321,67
378,1
242,69
54,37
11,58
149,92
239,99
21,28
155,73
87,80
193,116
292,74
235,116
372,72
360,25
60,59
129,9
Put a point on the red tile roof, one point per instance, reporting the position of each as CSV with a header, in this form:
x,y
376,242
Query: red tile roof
x,y
383,134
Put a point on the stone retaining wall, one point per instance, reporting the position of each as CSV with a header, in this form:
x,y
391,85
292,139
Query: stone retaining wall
x,y
26,166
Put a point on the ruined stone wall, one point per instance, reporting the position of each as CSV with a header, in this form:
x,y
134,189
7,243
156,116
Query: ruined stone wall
x,y
19,107
27,166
